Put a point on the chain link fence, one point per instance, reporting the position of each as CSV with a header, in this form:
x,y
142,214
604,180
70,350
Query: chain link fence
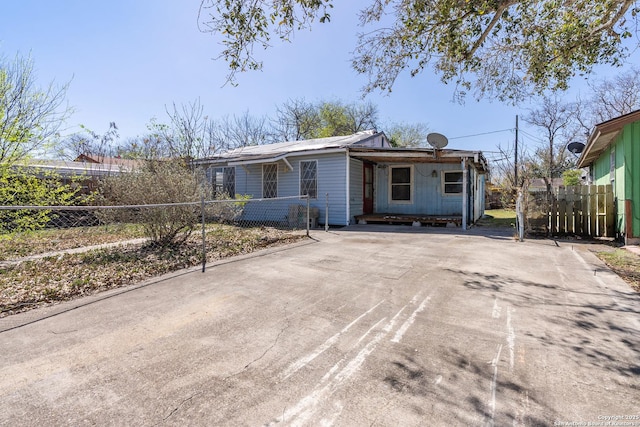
x,y
81,250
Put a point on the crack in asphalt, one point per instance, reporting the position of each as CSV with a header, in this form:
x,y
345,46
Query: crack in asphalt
x,y
275,341
174,410
284,328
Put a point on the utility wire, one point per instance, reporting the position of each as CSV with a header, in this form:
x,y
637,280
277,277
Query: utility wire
x,y
533,136
481,134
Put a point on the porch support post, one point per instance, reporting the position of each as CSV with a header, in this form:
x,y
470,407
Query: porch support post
x,y
348,181
464,194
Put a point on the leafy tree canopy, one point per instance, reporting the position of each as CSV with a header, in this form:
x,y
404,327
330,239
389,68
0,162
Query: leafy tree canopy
x,y
29,115
499,48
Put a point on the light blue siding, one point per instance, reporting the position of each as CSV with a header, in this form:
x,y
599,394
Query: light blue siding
x,y
331,179
427,196
427,193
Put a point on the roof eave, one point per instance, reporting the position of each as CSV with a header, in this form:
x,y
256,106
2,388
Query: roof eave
x,y
602,136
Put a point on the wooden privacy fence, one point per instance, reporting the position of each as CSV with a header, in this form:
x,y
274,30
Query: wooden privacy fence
x,y
586,210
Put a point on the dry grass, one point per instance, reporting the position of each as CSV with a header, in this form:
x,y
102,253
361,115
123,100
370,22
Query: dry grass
x,y
33,283
20,245
625,264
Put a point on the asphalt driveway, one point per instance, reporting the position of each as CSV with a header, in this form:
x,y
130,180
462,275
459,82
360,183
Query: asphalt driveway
x,y
399,326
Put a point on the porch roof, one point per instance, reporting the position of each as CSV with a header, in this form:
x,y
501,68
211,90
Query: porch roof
x,y
418,155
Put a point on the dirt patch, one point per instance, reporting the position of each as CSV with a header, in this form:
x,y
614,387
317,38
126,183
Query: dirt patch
x,y
624,263
32,283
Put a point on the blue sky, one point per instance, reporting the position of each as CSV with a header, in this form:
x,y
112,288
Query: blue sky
x,y
127,59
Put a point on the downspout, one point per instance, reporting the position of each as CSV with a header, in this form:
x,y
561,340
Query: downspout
x,y
348,204
464,194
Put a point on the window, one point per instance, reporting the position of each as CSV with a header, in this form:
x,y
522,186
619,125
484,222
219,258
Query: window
x,y
224,181
270,181
612,165
309,178
401,183
452,182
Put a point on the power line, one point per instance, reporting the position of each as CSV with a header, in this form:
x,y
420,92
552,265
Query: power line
x,y
481,134
533,136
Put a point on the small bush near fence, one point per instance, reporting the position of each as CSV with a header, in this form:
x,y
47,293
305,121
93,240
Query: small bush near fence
x,y
22,186
64,262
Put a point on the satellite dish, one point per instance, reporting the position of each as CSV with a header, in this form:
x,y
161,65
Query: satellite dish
x,y
437,140
575,147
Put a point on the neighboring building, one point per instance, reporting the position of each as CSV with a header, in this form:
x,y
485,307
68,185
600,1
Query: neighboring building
x,y
113,162
612,155
88,173
362,175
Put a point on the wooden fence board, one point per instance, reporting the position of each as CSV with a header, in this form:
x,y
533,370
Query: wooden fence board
x,y
584,223
593,207
562,211
584,210
610,212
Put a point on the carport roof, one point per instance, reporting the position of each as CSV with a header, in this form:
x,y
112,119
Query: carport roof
x,y
418,155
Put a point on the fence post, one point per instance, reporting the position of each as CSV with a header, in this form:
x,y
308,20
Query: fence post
x,y
520,216
326,214
204,240
308,215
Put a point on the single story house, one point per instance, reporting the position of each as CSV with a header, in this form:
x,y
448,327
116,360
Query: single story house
x,y
361,177
612,154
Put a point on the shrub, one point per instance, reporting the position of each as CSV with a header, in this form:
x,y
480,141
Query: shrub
x,y
226,209
156,182
20,186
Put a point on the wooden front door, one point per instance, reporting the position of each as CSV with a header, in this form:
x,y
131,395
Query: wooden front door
x,y
367,188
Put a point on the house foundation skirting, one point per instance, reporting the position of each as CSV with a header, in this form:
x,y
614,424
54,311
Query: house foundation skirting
x,y
411,219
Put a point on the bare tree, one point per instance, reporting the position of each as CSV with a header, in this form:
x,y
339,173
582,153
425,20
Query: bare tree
x,y
29,115
90,143
296,119
186,135
361,116
610,98
558,126
240,131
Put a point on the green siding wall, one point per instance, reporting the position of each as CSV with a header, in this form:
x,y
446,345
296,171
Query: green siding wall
x,y
627,173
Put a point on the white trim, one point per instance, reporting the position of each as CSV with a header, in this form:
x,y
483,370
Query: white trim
x,y
273,159
262,179
300,176
465,200
286,162
214,179
348,192
411,184
465,190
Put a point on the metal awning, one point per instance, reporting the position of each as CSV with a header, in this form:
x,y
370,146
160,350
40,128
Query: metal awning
x,y
418,155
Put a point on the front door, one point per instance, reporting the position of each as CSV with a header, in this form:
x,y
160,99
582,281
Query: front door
x,y
367,190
